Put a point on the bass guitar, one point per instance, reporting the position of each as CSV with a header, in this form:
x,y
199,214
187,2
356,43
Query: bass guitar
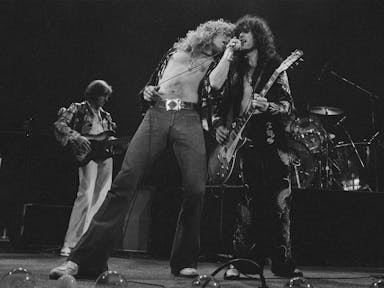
x,y
222,161
103,146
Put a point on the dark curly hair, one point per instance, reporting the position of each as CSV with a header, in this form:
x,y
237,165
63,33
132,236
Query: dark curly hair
x,y
262,35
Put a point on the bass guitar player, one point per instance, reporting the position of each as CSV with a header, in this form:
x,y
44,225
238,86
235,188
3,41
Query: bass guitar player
x,y
75,128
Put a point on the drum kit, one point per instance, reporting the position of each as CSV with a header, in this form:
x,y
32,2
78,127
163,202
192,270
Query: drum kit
x,y
320,161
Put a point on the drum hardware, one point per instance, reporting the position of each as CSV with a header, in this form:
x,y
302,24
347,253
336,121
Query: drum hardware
x,y
373,98
302,164
348,173
352,143
325,171
325,110
309,131
318,160
373,138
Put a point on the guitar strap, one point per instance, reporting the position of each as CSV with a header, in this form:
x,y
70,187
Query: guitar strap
x,y
252,97
229,121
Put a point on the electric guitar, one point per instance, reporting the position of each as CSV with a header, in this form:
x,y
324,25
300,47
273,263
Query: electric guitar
x,y
102,147
222,161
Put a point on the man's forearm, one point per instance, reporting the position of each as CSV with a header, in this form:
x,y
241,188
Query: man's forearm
x,y
218,75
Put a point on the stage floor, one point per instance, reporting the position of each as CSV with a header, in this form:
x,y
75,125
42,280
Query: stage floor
x,y
156,271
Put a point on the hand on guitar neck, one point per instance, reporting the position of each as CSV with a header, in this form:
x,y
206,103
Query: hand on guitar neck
x,y
260,104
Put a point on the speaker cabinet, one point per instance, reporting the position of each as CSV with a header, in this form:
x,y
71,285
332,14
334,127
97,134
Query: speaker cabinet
x,y
43,225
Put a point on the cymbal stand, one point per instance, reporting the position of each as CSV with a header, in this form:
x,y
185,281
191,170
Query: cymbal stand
x,y
353,146
372,140
325,183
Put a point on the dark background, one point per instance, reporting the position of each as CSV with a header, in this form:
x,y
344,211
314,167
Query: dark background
x,y
50,51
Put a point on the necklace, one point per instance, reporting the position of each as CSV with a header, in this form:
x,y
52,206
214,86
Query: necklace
x,y
191,64
194,63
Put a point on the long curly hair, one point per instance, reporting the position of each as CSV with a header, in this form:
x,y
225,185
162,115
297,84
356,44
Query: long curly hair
x,y
262,35
201,39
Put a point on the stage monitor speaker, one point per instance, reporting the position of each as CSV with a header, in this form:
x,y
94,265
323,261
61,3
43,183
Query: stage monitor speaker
x,y
135,232
337,227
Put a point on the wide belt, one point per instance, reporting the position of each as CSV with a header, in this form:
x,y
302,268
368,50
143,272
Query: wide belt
x,y
175,105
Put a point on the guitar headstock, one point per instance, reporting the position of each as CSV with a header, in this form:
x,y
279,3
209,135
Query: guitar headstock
x,y
293,59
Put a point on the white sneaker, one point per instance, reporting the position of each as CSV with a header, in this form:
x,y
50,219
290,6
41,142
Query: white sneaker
x,y
67,268
65,251
188,272
231,273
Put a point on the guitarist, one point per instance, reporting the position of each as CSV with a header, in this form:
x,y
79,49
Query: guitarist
x,y
86,118
263,224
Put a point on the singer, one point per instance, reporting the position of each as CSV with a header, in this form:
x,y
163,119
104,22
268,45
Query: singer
x,y
174,96
263,226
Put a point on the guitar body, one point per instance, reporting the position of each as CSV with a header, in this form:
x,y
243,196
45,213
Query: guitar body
x,y
223,161
102,147
99,151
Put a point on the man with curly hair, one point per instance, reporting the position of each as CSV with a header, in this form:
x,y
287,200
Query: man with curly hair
x,y
263,224
175,101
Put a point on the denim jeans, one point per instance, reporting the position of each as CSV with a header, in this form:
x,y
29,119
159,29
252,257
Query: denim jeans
x,y
183,131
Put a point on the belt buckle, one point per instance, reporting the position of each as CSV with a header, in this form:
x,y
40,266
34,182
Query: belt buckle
x,y
173,104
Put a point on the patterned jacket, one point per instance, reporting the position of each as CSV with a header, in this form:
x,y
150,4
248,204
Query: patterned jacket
x,y
76,120
264,128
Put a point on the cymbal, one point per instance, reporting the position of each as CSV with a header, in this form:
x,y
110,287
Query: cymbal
x,y
325,110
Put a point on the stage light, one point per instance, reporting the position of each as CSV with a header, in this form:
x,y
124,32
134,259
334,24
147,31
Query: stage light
x,y
18,278
298,282
377,284
110,279
205,281
66,281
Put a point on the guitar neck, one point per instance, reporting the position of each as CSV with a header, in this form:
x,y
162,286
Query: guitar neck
x,y
269,84
241,122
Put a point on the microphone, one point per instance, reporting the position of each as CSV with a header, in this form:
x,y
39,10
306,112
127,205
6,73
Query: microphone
x,y
323,69
340,122
235,45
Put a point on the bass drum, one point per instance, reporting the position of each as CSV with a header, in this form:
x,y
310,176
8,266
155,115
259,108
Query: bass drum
x,y
302,165
352,168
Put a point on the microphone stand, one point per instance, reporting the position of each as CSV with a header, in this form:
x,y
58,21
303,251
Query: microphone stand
x,y
371,95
